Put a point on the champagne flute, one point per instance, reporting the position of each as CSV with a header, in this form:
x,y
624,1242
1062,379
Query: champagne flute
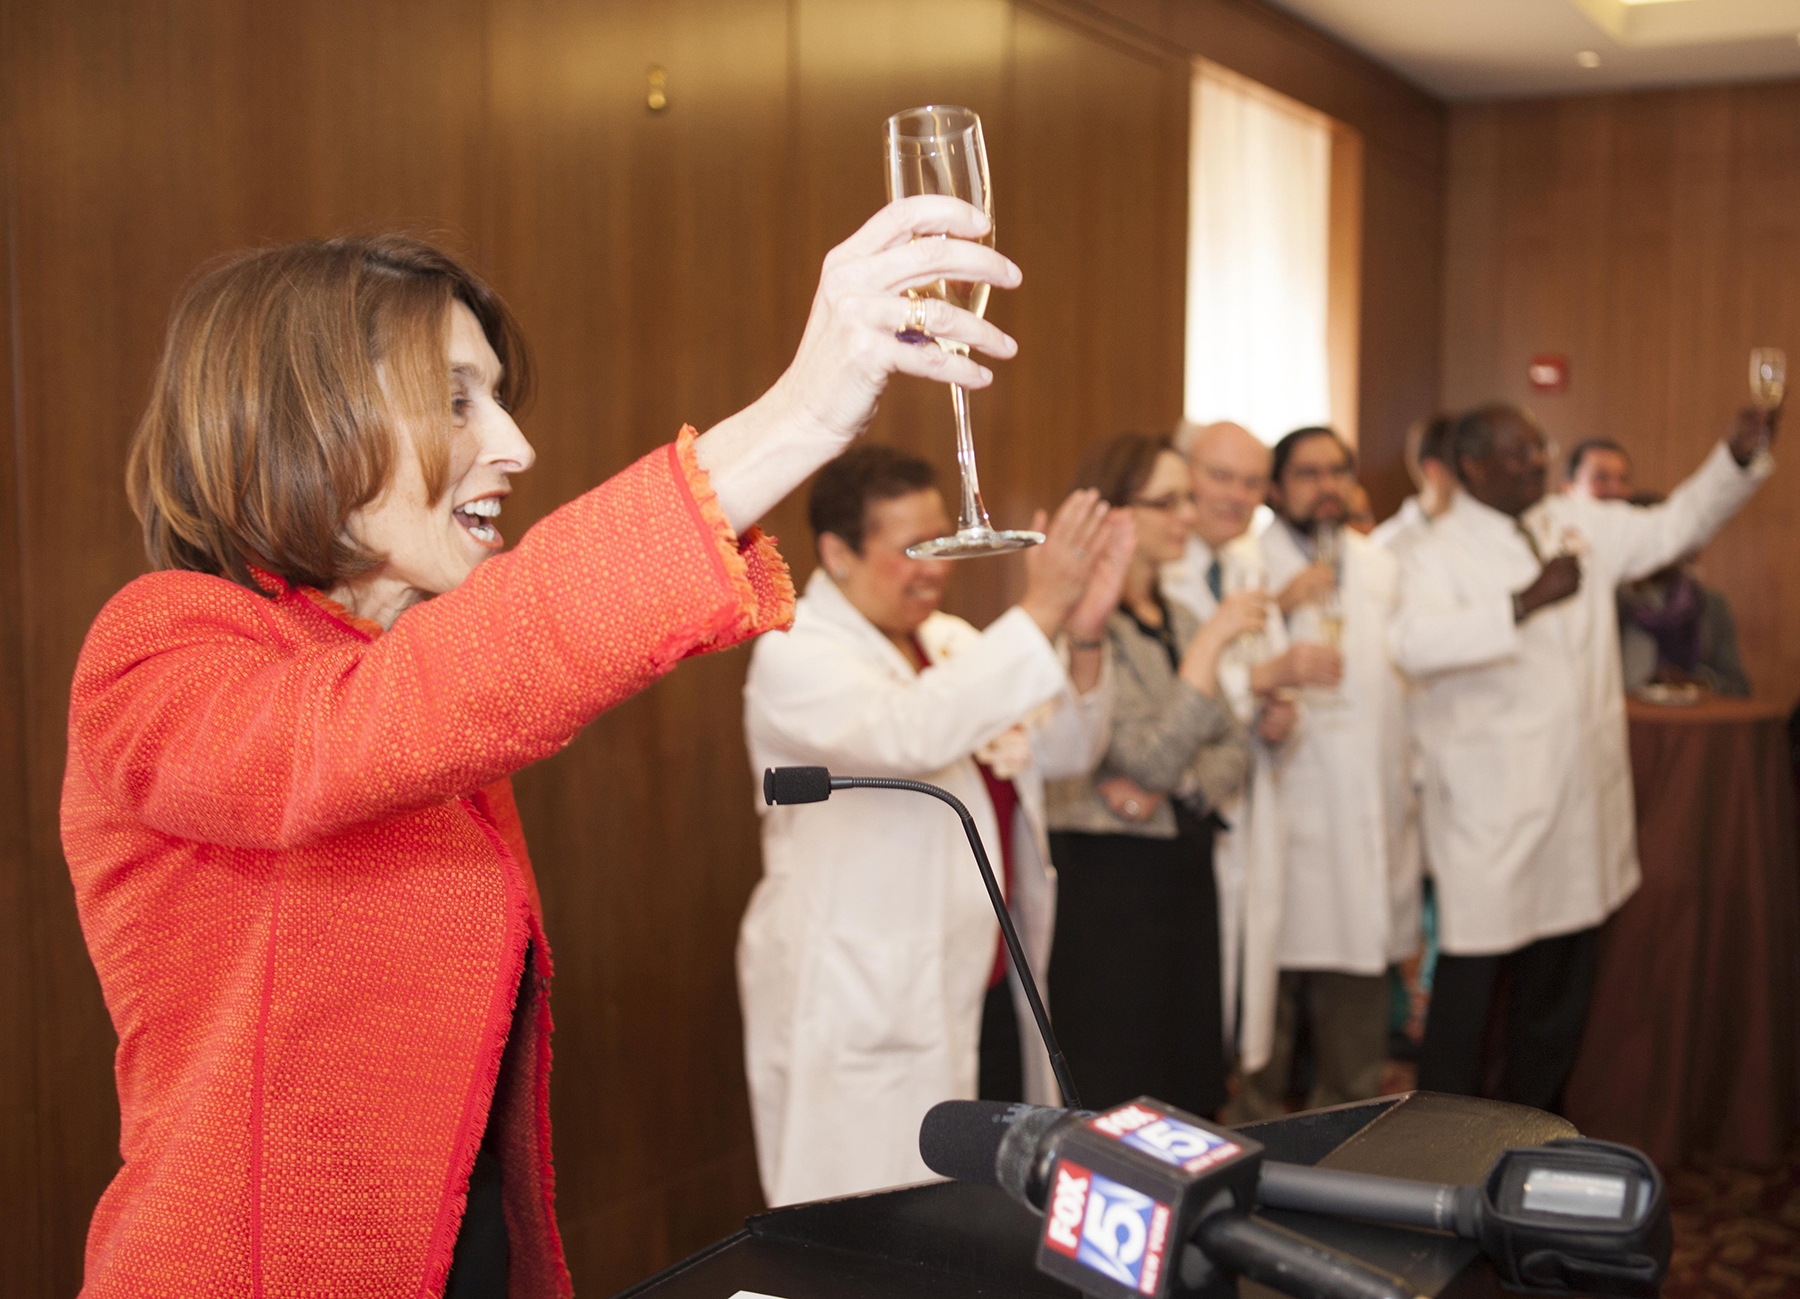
x,y
1328,549
1253,647
938,149
1768,377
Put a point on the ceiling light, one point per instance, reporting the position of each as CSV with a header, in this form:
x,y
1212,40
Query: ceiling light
x,y
1589,59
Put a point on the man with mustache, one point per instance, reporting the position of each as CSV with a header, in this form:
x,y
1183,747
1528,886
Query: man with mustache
x,y
1508,631
1349,897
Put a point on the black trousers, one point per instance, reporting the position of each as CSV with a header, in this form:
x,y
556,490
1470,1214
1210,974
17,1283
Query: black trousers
x,y
1549,985
1134,972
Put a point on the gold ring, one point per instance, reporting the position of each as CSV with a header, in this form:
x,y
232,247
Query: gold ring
x,y
914,330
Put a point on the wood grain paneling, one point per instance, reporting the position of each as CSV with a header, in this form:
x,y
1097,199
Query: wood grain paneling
x,y
21,1262
662,264
1651,238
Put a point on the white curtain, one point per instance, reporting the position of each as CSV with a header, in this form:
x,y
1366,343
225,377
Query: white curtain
x,y
1259,218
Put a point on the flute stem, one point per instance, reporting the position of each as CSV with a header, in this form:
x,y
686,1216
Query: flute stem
x,y
974,516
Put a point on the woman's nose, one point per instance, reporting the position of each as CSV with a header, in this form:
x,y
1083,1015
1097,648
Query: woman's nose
x,y
504,445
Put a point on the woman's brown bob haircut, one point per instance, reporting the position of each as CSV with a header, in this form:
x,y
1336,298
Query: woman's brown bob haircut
x,y
1119,467
275,408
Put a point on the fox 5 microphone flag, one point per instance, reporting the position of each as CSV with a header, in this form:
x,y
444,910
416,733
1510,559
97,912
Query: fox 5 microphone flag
x,y
1127,1188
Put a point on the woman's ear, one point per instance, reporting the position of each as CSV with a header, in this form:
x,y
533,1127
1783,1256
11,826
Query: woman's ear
x,y
835,554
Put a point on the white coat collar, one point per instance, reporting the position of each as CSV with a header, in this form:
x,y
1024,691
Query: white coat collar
x,y
1482,518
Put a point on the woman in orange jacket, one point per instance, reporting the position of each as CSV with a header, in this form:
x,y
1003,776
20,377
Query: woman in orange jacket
x,y
286,808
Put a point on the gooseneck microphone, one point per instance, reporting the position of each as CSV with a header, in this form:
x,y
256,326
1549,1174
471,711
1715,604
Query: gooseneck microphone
x,y
787,785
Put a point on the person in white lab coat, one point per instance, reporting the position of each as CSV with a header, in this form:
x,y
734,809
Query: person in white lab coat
x,y
1428,463
1507,627
1350,895
868,951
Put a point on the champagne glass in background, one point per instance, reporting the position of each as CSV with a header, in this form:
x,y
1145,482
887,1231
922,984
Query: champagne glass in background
x,y
1768,382
938,149
1768,377
1243,577
1328,549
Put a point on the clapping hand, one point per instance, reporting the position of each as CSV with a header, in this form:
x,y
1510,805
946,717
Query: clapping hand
x,y
1057,573
1116,544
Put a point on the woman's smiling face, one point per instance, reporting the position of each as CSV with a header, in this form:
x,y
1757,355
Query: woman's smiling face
x,y
432,546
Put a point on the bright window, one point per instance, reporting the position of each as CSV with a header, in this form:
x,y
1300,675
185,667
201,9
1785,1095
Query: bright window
x,y
1265,311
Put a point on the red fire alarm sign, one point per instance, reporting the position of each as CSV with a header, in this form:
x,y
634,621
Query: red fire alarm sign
x,y
1549,372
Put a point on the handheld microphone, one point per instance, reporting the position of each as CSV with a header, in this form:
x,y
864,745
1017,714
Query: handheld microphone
x,y
1575,1215
788,785
1143,1200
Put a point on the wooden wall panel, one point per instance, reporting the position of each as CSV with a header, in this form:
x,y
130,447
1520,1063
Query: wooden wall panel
x,y
1651,238
149,137
21,1261
662,265
646,256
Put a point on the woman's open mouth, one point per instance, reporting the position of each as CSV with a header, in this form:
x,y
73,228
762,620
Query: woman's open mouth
x,y
477,518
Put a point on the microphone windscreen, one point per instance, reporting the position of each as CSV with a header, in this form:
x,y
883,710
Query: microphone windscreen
x,y
796,784
961,1139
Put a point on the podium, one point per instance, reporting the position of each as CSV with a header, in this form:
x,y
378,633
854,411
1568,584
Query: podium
x,y
948,1240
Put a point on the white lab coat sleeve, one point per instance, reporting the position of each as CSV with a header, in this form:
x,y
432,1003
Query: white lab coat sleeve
x,y
1071,741
841,710
1640,540
1435,630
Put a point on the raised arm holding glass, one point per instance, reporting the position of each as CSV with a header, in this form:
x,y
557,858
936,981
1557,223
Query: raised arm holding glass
x,y
286,808
1508,628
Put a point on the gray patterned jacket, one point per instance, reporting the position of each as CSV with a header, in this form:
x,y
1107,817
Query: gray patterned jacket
x,y
1166,736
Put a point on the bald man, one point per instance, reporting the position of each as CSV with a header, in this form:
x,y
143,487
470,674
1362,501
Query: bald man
x,y
1229,466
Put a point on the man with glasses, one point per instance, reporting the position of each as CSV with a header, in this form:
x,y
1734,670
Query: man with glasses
x,y
1349,900
1508,631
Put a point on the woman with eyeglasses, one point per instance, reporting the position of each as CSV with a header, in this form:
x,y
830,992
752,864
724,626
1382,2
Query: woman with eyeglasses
x,y
1135,982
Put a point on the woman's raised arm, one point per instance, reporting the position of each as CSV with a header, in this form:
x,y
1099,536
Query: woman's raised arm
x,y
849,349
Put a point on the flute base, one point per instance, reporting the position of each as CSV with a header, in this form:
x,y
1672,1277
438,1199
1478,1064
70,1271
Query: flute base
x,y
972,543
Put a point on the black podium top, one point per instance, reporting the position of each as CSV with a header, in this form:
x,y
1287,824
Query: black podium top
x,y
952,1240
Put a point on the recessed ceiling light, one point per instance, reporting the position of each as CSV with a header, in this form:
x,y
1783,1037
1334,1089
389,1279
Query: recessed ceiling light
x,y
1589,59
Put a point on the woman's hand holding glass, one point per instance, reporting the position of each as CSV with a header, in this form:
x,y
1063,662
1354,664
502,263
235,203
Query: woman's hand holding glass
x,y
827,396
1242,613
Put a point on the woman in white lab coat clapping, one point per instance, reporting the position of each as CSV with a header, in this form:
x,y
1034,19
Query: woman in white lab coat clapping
x,y
867,961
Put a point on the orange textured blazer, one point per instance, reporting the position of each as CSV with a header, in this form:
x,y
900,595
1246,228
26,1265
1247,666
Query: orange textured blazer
x,y
302,881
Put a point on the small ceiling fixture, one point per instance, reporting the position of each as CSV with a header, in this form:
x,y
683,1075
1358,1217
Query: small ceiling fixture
x,y
1587,58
